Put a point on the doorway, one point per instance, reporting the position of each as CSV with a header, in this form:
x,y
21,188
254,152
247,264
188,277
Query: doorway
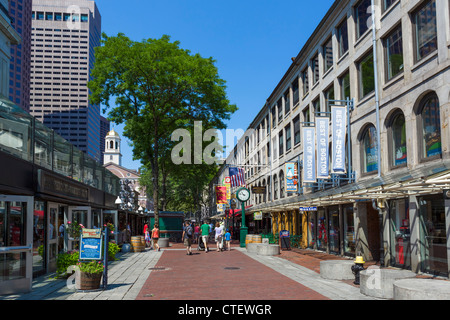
x,y
373,230
16,244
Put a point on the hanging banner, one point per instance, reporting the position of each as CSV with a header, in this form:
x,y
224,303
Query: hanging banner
x,y
291,176
323,132
309,155
339,129
221,195
227,184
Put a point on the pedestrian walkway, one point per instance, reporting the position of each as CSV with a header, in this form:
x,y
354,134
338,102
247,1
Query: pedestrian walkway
x,y
231,275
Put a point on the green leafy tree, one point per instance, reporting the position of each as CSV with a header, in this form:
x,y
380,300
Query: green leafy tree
x,y
158,87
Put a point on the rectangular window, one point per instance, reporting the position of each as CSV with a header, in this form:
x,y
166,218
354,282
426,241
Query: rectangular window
x,y
295,92
281,144
287,102
393,45
315,68
49,16
305,81
296,130
387,4
40,16
274,117
280,109
306,115
342,35
84,18
344,82
327,55
287,129
366,76
362,16
329,95
425,29
58,16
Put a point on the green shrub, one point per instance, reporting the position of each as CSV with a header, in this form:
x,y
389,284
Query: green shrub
x,y
65,260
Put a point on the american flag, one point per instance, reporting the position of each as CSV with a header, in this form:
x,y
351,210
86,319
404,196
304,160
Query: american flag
x,y
237,177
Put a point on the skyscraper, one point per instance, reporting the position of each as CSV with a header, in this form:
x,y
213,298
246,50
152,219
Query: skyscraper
x,y
64,36
19,73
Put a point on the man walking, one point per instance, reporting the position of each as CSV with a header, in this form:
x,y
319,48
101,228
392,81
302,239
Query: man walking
x,y
205,234
187,237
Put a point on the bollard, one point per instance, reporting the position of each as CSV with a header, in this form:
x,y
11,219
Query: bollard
x,y
357,268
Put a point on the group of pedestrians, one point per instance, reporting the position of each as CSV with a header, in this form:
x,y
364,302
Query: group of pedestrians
x,y
220,234
151,239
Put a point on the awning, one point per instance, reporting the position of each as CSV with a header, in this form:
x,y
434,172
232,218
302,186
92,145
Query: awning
x,y
418,182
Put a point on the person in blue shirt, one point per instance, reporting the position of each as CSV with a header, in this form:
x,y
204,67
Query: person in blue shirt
x,y
228,239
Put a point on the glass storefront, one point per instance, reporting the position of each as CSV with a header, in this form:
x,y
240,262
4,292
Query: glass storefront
x,y
14,216
322,236
349,230
39,249
333,229
433,235
400,237
311,229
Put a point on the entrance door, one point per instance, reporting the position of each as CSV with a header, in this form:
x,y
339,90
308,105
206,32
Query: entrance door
x,y
52,236
78,215
16,243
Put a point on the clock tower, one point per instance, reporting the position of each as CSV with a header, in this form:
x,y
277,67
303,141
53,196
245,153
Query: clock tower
x,y
112,149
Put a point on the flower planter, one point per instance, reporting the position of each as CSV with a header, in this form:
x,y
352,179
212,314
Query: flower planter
x,y
87,281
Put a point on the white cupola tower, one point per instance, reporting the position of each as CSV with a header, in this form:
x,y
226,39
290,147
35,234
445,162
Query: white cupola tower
x,y
112,149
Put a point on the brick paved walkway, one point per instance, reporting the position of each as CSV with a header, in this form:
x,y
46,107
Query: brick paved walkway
x,y
204,276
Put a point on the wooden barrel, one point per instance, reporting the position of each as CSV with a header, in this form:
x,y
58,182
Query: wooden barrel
x,y
142,240
248,239
136,244
257,238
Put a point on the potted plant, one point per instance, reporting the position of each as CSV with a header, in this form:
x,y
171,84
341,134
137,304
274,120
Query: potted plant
x,y
88,275
73,230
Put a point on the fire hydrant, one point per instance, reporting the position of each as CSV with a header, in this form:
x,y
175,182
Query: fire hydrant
x,y
357,268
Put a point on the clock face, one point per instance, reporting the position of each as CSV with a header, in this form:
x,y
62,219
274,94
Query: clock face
x,y
243,194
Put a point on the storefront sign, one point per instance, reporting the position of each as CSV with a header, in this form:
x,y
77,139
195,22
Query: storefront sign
x,y
258,215
323,132
309,155
221,195
52,184
259,189
339,126
91,244
291,177
304,209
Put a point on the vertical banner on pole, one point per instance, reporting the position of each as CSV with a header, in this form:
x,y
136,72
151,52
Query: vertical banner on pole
x,y
291,177
339,128
323,132
221,195
309,155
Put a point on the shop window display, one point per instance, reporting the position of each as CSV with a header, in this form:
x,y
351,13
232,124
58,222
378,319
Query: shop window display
x,y
400,233
433,235
322,237
333,229
349,230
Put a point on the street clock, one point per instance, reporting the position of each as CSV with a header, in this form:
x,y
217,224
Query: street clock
x,y
243,194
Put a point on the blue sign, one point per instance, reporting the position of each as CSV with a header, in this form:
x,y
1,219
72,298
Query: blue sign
x,y
90,248
303,209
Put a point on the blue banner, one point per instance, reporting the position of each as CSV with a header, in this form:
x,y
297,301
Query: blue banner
x,y
291,177
339,130
323,132
309,155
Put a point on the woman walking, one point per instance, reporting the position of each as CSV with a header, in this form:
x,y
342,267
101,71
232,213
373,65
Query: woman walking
x,y
155,237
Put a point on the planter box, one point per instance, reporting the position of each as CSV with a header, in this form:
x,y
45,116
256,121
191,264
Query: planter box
x,y
87,281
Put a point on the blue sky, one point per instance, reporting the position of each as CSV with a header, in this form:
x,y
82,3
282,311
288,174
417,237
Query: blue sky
x,y
252,41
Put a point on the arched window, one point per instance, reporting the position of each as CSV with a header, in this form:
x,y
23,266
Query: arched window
x,y
430,122
398,152
281,184
275,187
111,145
269,189
370,150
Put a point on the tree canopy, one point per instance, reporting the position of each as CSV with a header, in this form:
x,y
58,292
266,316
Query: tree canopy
x,y
158,87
